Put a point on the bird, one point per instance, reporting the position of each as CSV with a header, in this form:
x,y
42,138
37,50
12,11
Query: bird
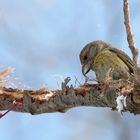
x,y
102,57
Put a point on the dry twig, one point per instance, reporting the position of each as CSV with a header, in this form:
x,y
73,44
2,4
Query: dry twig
x,y
130,37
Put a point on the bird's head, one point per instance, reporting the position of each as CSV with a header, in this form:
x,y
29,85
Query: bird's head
x,y
88,54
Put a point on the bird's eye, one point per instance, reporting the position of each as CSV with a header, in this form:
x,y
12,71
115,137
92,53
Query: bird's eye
x,y
85,57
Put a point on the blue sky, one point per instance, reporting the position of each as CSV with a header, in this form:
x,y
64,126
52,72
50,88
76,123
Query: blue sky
x,y
42,40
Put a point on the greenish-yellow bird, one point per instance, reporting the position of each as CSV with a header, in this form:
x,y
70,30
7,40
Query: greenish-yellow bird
x,y
100,57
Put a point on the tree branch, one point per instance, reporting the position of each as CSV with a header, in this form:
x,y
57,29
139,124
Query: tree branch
x,y
43,101
130,37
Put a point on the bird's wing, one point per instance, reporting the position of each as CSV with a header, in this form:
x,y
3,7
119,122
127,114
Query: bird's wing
x,y
124,57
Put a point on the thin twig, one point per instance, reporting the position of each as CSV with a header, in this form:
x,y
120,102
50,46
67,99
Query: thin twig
x,y
77,82
130,37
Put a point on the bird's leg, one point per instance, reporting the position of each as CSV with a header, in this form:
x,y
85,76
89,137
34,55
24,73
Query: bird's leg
x,y
105,83
107,79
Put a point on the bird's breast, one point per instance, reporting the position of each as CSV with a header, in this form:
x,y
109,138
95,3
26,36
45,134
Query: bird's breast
x,y
106,60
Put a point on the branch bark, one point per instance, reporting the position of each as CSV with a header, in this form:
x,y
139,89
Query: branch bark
x,y
43,101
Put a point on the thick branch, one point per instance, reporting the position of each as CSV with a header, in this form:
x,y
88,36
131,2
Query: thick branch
x,y
130,37
43,101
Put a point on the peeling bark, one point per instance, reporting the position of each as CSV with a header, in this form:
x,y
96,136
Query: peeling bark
x,y
44,101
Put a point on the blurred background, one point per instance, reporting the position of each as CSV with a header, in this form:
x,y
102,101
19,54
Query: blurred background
x,y
41,40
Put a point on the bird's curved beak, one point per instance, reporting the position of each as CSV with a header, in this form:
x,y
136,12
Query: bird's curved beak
x,y
85,69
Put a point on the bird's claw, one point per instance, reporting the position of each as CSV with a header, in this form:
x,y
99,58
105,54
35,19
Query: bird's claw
x,y
107,78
